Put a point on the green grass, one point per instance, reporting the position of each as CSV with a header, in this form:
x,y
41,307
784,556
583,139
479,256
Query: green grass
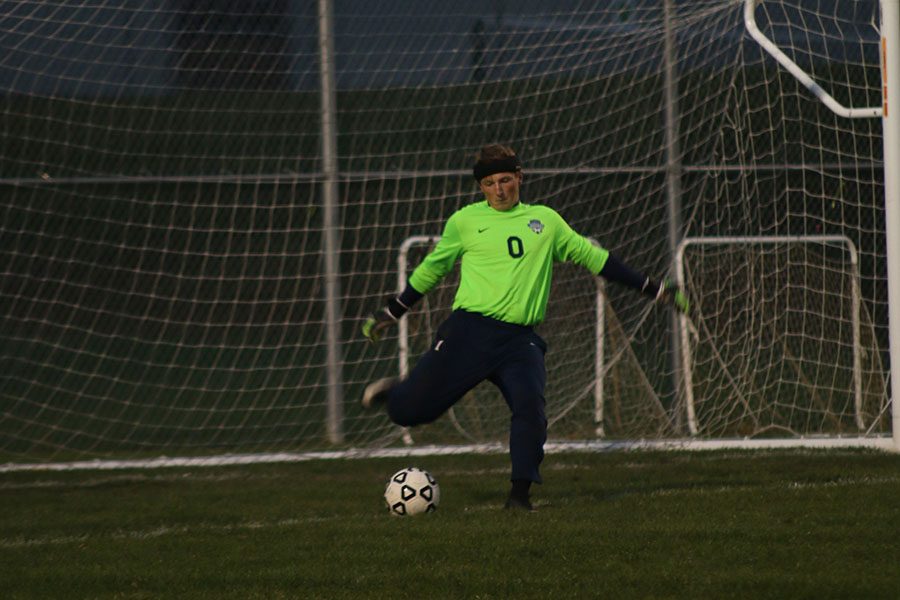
x,y
788,524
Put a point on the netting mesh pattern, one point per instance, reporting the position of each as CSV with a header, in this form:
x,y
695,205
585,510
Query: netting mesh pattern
x,y
164,281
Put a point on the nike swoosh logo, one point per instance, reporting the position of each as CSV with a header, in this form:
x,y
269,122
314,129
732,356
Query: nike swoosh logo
x,y
483,230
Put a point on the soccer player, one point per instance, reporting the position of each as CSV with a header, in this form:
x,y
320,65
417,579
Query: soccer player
x,y
506,250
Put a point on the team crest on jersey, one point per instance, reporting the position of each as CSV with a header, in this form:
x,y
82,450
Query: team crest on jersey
x,y
535,225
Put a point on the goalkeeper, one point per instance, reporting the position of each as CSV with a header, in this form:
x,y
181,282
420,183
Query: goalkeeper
x,y
507,250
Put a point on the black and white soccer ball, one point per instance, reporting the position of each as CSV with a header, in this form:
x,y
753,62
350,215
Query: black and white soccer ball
x,y
412,491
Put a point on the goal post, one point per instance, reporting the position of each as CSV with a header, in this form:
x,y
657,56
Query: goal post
x,y
890,67
890,88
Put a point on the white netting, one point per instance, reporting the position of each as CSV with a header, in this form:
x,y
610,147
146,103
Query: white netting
x,y
785,345
163,285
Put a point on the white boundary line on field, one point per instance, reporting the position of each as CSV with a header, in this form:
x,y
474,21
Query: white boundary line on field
x,y
879,443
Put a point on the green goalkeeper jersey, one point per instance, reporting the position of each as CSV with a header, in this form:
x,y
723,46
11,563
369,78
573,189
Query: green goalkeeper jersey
x,y
506,259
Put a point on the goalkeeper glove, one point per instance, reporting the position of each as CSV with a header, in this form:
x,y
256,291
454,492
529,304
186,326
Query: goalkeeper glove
x,y
378,322
670,295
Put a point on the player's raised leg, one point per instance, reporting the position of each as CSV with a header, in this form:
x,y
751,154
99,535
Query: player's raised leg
x,y
459,358
375,393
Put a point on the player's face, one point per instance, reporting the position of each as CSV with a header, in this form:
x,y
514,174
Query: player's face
x,y
502,190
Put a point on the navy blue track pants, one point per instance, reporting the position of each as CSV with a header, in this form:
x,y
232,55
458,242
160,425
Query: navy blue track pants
x,y
468,349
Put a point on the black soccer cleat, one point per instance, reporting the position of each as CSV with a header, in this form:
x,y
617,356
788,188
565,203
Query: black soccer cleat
x,y
518,496
517,503
375,393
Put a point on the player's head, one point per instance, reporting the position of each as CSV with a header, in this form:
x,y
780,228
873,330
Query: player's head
x,y
498,172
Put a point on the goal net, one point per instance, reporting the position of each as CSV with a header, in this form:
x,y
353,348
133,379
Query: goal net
x,y
762,363
164,283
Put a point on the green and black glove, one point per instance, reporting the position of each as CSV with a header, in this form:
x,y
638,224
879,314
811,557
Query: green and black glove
x,y
670,295
377,324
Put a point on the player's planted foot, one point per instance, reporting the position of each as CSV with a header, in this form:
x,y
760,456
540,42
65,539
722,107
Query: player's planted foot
x,y
376,392
518,496
514,503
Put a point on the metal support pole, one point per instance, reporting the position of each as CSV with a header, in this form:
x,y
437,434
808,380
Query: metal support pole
x,y
673,183
599,358
890,69
330,223
794,69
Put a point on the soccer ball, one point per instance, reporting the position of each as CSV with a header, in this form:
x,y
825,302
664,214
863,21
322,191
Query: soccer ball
x,y
411,492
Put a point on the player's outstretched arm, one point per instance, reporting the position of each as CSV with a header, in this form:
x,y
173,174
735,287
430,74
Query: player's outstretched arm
x,y
665,292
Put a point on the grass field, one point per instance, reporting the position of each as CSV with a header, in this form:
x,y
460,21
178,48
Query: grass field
x,y
786,524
